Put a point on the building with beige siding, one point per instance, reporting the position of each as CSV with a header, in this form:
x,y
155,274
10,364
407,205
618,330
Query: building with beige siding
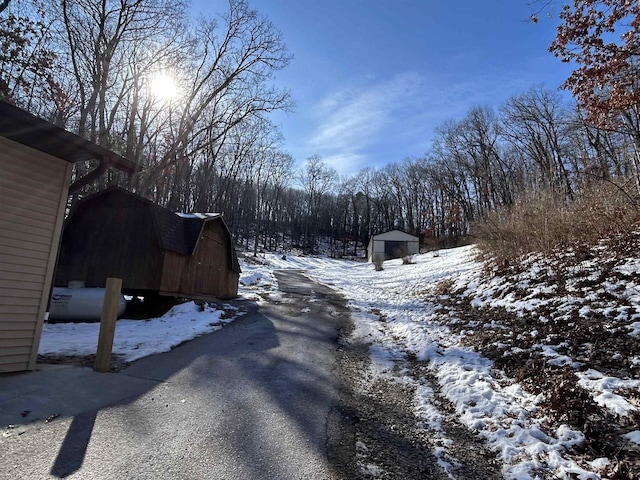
x,y
36,158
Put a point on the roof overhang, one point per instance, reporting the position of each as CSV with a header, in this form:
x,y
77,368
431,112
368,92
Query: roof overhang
x,y
23,127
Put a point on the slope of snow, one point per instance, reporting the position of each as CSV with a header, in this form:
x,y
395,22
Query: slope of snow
x,y
391,310
501,414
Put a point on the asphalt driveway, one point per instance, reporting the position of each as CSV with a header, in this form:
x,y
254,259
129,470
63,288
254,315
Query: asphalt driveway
x,y
256,400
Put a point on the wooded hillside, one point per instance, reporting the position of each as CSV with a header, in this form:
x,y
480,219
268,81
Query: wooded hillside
x,y
190,101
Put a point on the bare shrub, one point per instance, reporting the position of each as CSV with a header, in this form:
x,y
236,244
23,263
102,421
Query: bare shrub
x,y
545,224
443,287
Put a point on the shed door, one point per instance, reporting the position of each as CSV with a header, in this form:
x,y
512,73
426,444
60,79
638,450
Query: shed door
x,y
212,265
33,193
395,249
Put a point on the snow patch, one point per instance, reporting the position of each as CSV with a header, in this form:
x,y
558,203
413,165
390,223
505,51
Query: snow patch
x,y
603,389
134,339
633,436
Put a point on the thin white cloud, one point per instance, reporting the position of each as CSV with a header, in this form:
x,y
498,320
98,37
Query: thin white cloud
x,y
453,98
387,121
346,162
352,119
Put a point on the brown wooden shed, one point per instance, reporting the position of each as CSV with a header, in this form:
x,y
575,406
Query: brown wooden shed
x,y
116,233
35,170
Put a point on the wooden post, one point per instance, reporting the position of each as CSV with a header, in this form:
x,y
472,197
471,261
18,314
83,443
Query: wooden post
x,y
108,324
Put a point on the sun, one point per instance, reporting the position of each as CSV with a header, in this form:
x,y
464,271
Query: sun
x,y
163,87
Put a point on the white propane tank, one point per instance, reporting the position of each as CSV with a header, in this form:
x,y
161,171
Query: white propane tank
x,y
79,304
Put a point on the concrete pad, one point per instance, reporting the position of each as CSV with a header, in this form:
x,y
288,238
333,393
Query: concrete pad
x,y
28,398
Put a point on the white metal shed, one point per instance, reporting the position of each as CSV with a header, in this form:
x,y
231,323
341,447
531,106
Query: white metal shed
x,y
392,244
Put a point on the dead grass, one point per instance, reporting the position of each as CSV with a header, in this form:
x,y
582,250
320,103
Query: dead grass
x,y
408,260
505,338
544,224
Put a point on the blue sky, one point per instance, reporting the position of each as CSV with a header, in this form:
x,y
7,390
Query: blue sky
x,y
373,79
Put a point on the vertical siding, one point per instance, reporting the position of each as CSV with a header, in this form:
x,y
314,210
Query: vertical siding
x,y
212,262
175,274
110,236
215,275
33,193
205,274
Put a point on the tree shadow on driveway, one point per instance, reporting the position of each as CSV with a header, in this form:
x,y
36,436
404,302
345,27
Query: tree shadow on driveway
x,y
249,401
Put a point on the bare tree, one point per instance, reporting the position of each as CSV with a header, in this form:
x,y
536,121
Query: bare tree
x,y
28,62
101,40
229,84
317,180
279,174
535,124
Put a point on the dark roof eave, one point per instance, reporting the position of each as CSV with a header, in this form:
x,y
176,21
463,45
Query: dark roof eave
x,y
22,127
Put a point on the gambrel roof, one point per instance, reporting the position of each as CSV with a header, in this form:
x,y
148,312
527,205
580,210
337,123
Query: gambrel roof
x,y
176,232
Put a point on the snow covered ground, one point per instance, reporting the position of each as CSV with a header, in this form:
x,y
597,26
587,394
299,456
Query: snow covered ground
x,y
398,312
134,339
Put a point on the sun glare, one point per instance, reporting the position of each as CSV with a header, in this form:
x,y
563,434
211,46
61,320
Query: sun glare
x,y
163,87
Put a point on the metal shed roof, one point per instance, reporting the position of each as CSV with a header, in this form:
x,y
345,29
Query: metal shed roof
x,y
396,235
21,126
